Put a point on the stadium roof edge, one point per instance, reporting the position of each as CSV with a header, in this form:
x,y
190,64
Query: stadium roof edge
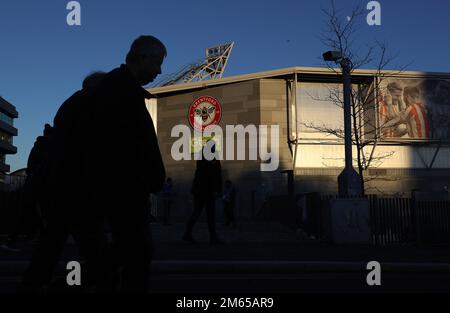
x,y
291,71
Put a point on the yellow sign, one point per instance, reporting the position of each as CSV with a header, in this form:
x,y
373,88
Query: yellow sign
x,y
197,143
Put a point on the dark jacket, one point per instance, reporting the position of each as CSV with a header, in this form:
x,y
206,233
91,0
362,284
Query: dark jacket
x,y
208,178
55,163
68,146
69,112
37,159
38,154
122,150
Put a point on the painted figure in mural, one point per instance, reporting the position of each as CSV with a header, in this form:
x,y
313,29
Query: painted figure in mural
x,y
397,105
414,116
391,106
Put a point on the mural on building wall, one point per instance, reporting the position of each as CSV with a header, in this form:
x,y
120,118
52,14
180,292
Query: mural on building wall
x,y
415,109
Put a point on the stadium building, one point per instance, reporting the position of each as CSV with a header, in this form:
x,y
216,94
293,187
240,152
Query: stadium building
x,y
404,123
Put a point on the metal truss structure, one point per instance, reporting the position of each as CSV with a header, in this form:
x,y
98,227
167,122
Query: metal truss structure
x,y
212,67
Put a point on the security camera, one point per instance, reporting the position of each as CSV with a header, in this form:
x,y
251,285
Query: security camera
x,y
332,56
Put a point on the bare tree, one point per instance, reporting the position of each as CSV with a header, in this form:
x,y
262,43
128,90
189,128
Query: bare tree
x,y
341,35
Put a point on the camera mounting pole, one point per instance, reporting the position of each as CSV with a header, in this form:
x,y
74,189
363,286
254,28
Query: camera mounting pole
x,y
348,180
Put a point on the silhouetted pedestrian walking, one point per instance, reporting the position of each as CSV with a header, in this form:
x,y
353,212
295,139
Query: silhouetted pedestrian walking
x,y
30,221
229,201
123,163
206,185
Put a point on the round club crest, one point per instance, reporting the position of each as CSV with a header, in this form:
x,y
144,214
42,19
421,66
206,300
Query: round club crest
x,y
205,111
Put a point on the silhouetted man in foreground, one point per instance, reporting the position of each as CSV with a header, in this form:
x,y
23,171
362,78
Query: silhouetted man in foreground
x,y
206,185
123,164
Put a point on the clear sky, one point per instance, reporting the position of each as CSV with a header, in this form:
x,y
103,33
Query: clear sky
x,y
43,60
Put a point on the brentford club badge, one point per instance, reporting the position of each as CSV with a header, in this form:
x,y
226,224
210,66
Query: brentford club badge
x,y
205,111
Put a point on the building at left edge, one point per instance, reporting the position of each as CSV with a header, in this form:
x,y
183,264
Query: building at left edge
x,y
7,131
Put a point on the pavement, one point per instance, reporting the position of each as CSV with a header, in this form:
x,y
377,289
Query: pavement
x,y
263,257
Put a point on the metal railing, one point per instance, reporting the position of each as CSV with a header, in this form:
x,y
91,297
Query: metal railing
x,y
392,221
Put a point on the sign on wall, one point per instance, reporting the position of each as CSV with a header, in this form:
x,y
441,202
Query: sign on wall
x,y
415,108
197,144
203,112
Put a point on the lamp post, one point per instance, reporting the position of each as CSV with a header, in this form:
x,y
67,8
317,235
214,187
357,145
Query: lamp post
x,y
348,180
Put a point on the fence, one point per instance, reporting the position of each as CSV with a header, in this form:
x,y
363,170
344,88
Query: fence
x,y
433,222
406,221
391,220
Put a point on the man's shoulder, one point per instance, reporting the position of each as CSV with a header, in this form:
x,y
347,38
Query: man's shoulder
x,y
75,97
67,107
39,140
113,77
39,143
114,85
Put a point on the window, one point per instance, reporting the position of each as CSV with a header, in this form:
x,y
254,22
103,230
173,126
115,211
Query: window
x,y
321,114
6,137
317,109
5,118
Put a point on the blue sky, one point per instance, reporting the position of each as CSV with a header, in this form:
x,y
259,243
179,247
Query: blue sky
x,y
43,60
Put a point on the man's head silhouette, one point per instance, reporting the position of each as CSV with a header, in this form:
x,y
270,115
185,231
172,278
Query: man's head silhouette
x,y
145,58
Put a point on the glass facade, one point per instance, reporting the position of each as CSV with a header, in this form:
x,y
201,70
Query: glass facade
x,y
5,118
320,114
317,109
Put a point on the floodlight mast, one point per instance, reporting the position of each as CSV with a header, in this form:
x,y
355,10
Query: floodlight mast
x,y
212,67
